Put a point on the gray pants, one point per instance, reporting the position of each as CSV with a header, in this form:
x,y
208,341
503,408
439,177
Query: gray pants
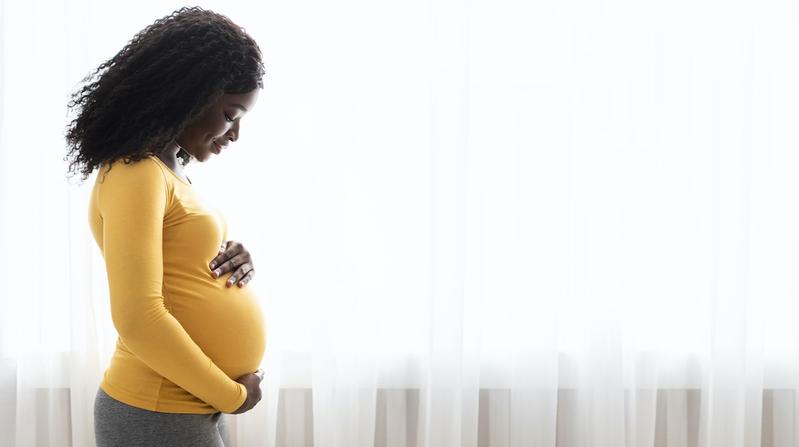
x,y
118,424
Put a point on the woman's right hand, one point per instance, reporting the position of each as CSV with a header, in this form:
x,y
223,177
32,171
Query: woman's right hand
x,y
252,381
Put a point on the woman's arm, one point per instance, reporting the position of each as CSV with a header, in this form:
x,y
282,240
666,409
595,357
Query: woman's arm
x,y
133,200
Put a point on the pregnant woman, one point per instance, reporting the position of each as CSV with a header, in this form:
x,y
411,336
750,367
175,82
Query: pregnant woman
x,y
190,339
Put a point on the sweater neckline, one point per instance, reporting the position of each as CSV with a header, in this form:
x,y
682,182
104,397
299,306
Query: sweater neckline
x,y
161,162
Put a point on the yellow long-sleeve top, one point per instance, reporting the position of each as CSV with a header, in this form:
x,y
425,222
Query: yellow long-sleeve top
x,y
183,335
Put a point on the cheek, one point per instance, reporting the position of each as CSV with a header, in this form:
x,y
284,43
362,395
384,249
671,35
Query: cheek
x,y
214,128
209,126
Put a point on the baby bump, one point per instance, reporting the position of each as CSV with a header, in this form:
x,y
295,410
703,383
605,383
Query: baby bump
x,y
226,323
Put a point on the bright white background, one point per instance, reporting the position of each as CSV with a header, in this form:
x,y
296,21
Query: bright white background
x,y
594,196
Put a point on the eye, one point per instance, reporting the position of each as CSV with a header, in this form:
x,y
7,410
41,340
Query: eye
x,y
227,118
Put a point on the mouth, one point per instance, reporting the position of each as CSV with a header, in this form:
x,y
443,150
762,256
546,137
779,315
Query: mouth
x,y
217,148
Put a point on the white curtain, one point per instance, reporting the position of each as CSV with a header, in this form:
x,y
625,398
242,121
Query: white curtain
x,y
588,205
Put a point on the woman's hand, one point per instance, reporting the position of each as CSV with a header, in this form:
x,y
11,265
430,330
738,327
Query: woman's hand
x,y
233,257
251,381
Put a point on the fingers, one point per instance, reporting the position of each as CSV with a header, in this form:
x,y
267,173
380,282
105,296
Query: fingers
x,y
244,273
243,269
233,257
229,264
227,250
219,256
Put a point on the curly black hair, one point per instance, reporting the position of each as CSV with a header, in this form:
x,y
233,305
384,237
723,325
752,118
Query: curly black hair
x,y
135,103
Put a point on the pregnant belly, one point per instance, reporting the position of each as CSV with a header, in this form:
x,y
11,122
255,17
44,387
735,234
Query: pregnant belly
x,y
226,322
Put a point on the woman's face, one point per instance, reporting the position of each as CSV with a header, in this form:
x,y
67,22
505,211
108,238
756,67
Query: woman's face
x,y
212,131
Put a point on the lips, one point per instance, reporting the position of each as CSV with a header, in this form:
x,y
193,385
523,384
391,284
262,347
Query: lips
x,y
217,147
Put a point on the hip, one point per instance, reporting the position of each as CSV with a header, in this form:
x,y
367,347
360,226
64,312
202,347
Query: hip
x,y
119,424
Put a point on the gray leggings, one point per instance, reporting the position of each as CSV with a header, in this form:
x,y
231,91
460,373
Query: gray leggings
x,y
118,424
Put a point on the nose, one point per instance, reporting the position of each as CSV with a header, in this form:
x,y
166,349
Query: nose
x,y
233,132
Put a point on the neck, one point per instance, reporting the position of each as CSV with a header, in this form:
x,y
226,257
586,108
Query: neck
x,y
170,151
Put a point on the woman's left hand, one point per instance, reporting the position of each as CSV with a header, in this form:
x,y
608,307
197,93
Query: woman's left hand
x,y
233,257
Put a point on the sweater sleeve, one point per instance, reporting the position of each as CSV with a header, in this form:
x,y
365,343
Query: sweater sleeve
x,y
133,202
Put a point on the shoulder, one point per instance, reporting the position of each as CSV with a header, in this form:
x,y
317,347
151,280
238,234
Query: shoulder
x,y
140,172
141,181
132,191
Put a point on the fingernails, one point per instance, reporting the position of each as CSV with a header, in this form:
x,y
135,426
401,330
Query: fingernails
x,y
212,265
216,273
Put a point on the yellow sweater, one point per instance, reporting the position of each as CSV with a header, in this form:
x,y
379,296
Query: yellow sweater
x,y
183,335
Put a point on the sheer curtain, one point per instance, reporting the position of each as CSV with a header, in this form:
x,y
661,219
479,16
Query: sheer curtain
x,y
475,223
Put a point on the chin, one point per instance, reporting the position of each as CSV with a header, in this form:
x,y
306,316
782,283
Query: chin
x,y
201,157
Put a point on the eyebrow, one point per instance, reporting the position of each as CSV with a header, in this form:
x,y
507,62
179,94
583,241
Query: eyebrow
x,y
240,106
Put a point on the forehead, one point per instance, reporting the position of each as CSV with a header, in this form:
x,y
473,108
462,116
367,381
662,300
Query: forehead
x,y
246,99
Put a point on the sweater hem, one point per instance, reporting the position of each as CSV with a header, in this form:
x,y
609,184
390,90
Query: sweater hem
x,y
145,404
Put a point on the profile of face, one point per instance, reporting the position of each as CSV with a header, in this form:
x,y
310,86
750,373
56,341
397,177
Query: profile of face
x,y
213,130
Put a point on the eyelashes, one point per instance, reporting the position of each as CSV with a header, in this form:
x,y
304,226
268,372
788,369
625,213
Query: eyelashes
x,y
228,119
